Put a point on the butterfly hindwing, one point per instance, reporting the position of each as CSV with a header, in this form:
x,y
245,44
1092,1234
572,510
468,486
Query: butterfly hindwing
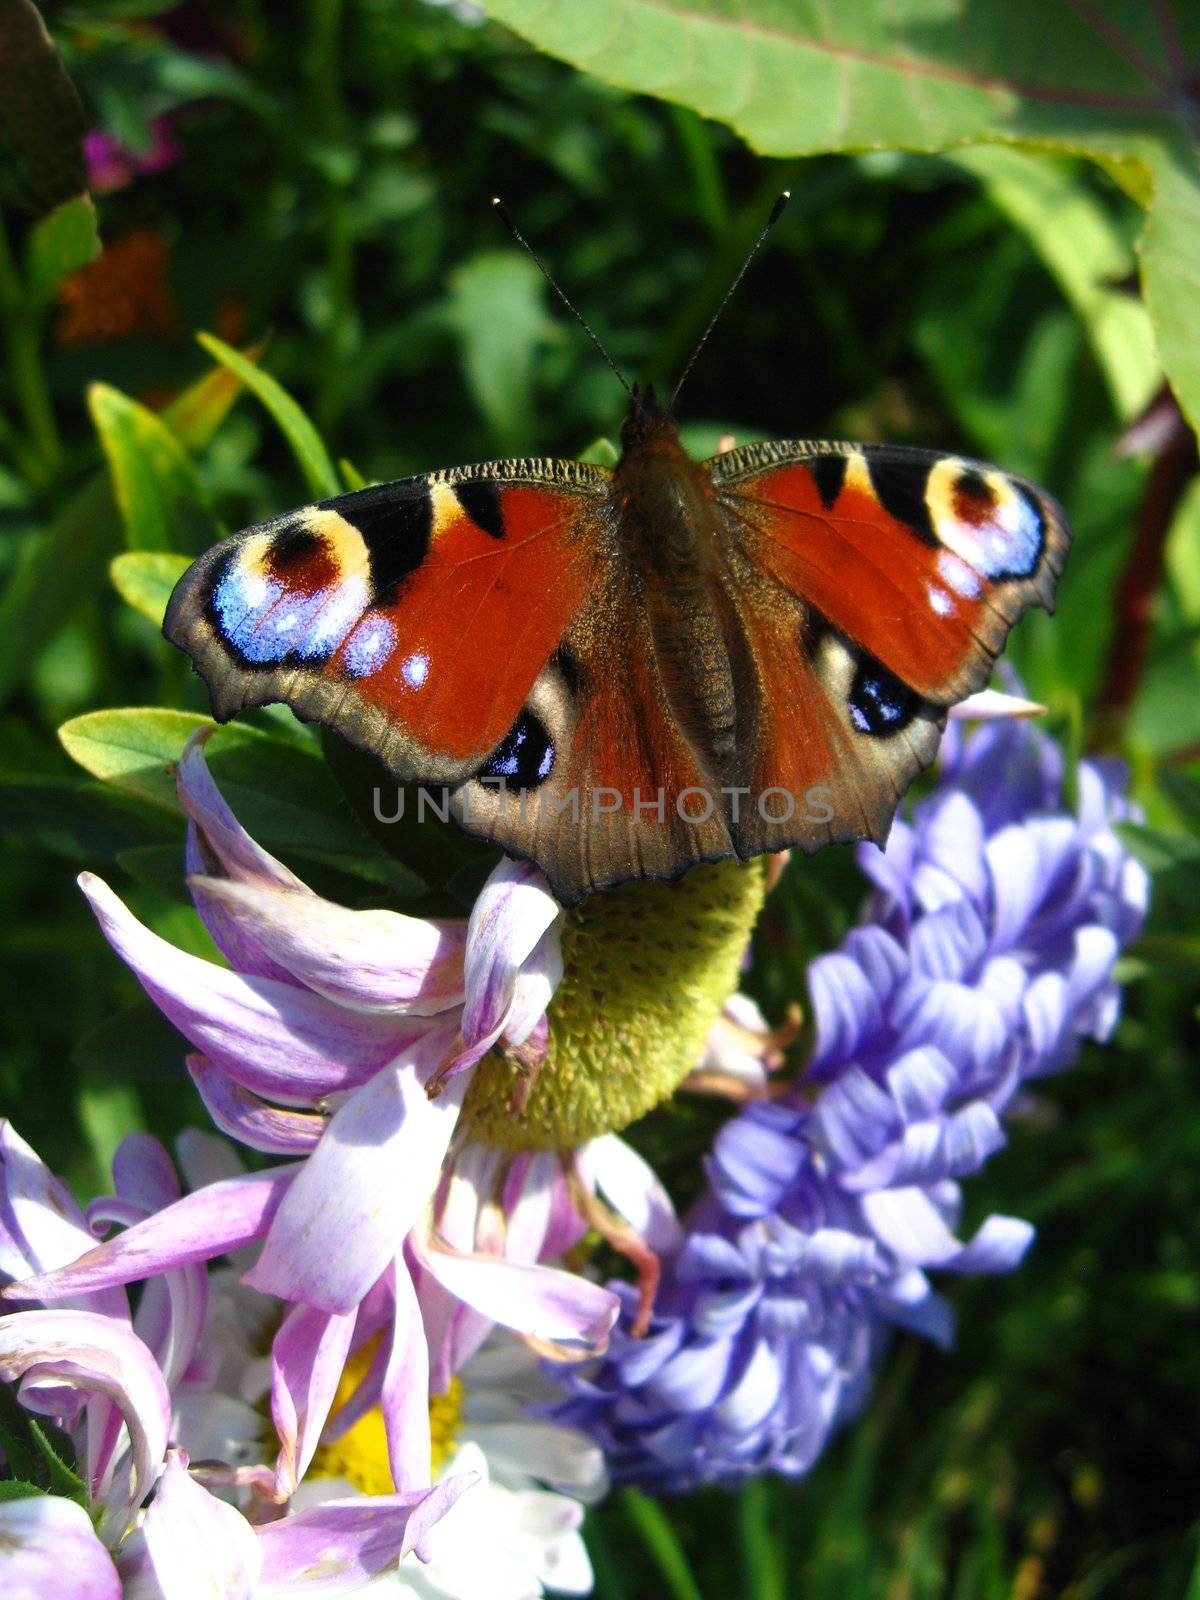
x,y
412,618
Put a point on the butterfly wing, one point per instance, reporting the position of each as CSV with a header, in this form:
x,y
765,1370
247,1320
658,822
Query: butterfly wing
x,y
875,586
413,618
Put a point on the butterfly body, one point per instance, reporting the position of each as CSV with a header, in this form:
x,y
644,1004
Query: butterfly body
x,y
618,674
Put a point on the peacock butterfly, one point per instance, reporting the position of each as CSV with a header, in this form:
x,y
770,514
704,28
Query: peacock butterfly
x,y
617,674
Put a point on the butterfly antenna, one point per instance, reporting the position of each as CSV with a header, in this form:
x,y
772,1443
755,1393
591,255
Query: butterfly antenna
x,y
506,219
777,211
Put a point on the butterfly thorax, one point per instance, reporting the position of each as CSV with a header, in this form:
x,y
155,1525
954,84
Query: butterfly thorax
x,y
668,520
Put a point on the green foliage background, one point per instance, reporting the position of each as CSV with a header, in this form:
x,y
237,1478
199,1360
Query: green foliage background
x,y
976,185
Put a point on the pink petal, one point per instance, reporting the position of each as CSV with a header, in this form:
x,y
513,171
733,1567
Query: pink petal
x,y
251,1121
373,960
196,1544
41,1227
406,1391
990,704
49,1351
330,1548
563,1313
49,1547
632,1188
307,1357
143,1173
231,844
514,914
279,1040
358,1194
208,1223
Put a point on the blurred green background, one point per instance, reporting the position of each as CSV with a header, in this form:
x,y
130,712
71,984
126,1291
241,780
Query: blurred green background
x,y
311,183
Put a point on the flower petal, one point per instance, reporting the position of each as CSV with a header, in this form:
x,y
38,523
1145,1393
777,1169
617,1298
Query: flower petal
x,y
278,1040
95,1355
511,933
236,851
557,1309
307,1357
369,960
250,1120
49,1547
358,1194
208,1223
331,1548
196,1544
634,1189
405,1399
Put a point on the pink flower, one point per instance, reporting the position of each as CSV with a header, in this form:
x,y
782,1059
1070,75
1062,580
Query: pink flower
x,y
112,165
89,1371
345,1039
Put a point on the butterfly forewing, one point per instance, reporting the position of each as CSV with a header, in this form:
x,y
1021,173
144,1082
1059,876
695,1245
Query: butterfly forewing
x,y
413,618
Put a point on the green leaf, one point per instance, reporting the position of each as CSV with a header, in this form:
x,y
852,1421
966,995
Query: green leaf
x,y
497,310
68,564
59,244
281,792
157,490
801,79
135,748
145,578
41,118
17,1489
305,441
1079,243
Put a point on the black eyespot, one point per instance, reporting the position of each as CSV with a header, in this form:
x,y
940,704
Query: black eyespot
x,y
880,705
526,756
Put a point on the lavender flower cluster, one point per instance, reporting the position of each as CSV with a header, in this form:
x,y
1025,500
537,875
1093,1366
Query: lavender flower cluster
x,y
984,956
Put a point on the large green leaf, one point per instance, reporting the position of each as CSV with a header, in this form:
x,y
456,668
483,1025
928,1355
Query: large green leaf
x,y
159,495
1110,81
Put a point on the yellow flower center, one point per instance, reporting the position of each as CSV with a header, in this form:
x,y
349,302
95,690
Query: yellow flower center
x,y
646,969
360,1455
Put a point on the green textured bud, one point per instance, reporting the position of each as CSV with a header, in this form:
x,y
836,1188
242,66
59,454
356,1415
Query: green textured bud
x,y
646,970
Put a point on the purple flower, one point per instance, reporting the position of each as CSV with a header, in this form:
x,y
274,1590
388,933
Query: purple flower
x,y
984,956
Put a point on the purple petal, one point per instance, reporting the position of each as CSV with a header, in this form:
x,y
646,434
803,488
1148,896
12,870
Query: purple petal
x,y
307,1357
143,1173
41,1227
633,1189
358,1194
373,960
251,1121
988,705
49,1547
278,1040
552,1308
211,1222
95,1355
511,924
331,1548
405,1399
234,848
195,1544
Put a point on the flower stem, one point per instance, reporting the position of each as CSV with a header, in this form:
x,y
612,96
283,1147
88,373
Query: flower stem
x,y
662,1542
761,1565
22,332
